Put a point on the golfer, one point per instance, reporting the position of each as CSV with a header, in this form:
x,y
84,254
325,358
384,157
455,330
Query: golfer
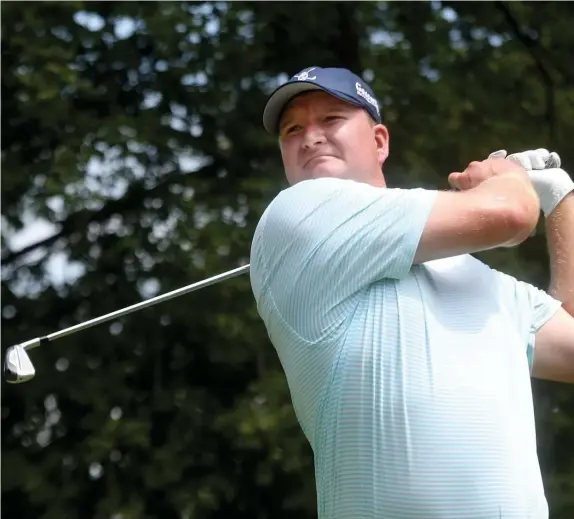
x,y
408,360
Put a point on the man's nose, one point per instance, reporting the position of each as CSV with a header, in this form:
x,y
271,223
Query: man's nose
x,y
313,135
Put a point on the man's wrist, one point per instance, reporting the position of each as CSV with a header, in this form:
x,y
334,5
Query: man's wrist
x,y
567,201
551,186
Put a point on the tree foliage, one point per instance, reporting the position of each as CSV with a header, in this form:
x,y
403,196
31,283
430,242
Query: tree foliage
x,y
133,148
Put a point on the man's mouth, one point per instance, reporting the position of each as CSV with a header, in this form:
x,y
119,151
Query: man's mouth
x,y
309,161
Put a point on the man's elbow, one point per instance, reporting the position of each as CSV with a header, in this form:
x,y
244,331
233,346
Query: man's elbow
x,y
520,221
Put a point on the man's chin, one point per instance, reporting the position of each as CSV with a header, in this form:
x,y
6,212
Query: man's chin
x,y
326,167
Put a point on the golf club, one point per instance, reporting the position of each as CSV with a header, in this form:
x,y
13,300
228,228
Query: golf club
x,y
18,367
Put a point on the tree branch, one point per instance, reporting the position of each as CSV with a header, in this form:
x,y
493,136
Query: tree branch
x,y
10,257
532,44
535,52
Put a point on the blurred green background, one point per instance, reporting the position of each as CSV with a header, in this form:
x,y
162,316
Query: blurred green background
x,y
134,162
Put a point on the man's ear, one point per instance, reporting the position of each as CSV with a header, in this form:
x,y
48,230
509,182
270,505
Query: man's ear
x,y
382,140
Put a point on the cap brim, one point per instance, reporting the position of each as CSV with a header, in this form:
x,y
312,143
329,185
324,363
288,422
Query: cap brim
x,y
279,99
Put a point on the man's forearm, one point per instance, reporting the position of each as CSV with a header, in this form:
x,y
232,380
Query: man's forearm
x,y
560,236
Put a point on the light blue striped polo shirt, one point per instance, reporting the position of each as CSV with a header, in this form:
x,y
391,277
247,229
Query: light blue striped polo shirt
x,y
411,383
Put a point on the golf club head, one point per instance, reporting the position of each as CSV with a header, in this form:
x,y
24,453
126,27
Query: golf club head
x,y
17,365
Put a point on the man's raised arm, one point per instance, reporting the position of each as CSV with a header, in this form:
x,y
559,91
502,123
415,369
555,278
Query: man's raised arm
x,y
560,236
554,352
496,207
554,344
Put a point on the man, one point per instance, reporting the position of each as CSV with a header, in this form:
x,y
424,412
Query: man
x,y
408,360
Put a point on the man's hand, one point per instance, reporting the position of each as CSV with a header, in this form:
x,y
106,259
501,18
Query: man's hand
x,y
477,172
531,159
550,182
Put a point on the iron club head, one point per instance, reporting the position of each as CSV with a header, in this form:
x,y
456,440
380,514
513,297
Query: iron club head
x,y
17,365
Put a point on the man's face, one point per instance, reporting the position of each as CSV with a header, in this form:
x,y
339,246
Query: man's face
x,y
322,136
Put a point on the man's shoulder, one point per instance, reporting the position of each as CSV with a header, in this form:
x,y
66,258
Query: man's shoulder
x,y
312,190
291,204
326,194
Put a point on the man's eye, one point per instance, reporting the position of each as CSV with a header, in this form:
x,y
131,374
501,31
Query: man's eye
x,y
292,129
330,118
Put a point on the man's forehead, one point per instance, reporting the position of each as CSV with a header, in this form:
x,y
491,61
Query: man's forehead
x,y
316,99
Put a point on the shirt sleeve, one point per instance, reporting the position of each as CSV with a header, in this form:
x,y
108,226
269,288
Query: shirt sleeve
x,y
322,241
542,308
533,308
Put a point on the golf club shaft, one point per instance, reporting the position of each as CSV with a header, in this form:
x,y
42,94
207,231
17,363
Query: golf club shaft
x,y
34,343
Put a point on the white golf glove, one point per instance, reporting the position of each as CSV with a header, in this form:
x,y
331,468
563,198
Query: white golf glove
x,y
550,182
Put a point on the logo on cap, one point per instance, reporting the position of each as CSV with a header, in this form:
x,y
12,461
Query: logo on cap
x,y
366,96
304,76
